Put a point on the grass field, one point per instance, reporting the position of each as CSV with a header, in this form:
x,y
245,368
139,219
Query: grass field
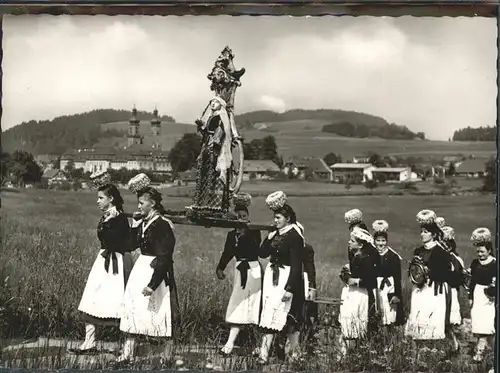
x,y
304,137
49,244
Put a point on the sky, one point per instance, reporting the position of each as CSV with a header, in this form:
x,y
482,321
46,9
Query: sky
x,y
431,74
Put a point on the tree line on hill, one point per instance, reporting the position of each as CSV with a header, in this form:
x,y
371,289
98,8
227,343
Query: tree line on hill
x,y
63,133
360,130
476,134
66,132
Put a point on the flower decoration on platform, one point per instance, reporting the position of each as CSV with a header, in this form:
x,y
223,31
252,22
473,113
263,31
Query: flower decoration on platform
x,y
353,216
380,226
242,199
448,233
276,200
440,222
362,235
480,236
139,182
426,217
100,178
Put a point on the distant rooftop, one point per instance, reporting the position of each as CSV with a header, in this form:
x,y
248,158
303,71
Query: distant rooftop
x,y
351,165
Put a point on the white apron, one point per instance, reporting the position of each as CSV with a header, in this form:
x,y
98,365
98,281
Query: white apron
x,y
143,315
482,312
274,311
244,304
388,311
353,315
427,317
102,296
455,317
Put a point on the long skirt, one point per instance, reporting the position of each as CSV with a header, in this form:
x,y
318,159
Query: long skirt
x,y
388,311
427,318
244,304
103,293
482,312
353,315
455,316
275,313
150,316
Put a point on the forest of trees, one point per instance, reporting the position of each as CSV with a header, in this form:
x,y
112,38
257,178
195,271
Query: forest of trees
x,y
60,134
387,131
328,115
476,134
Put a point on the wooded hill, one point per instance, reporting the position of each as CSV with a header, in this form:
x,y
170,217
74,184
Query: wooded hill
x,y
476,134
108,127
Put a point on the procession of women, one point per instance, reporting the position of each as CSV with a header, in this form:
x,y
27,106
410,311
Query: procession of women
x,y
132,284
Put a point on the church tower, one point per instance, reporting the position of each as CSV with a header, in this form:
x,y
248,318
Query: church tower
x,y
155,123
134,136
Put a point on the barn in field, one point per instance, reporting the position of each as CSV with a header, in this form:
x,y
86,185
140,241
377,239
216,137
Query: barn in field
x,y
352,171
53,176
300,167
259,169
392,174
471,168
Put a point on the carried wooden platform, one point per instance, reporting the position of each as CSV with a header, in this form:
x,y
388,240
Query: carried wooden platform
x,y
183,218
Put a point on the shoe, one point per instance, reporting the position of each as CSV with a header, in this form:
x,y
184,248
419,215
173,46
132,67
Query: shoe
x,y
225,351
83,351
256,351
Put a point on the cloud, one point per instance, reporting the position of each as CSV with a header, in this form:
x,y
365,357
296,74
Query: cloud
x,y
273,103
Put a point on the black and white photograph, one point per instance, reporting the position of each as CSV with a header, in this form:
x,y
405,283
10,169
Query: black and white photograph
x,y
271,193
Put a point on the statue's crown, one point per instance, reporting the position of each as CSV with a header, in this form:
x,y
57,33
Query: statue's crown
x,y
224,77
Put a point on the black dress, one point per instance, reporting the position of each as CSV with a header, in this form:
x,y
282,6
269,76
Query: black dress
x,y
390,266
114,238
365,267
156,240
285,249
244,247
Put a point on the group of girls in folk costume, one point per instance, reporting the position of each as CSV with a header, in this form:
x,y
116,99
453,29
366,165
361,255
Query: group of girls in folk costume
x,y
276,300
140,297
242,244
101,301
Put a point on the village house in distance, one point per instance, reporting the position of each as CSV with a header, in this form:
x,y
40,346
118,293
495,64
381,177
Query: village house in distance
x,y
136,155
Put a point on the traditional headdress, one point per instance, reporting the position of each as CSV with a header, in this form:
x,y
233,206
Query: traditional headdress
x,y
448,233
100,178
242,200
380,228
481,236
427,220
362,235
138,183
276,200
426,217
353,216
440,222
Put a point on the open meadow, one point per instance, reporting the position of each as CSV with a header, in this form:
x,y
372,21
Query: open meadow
x,y
49,244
